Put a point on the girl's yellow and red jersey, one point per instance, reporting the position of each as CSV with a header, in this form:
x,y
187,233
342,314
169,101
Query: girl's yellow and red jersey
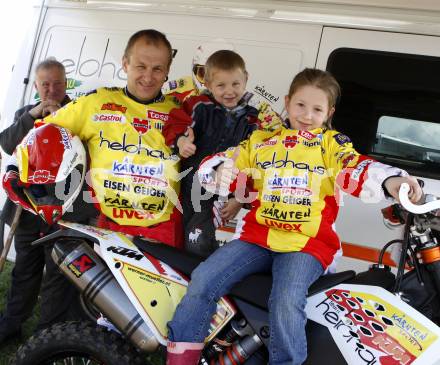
x,y
296,176
133,173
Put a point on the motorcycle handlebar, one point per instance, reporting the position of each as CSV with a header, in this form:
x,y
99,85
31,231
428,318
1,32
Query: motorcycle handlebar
x,y
413,208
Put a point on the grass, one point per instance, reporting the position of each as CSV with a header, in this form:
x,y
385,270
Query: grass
x,y
8,350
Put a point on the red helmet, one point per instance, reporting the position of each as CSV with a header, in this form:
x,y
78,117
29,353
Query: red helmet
x,y
51,164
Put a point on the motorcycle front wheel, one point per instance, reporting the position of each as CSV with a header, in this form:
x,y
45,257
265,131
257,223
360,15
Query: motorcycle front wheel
x,y
77,343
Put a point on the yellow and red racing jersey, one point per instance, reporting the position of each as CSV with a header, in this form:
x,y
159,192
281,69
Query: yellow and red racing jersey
x,y
181,88
133,172
295,175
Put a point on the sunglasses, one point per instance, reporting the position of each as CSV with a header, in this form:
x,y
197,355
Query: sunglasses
x,y
199,73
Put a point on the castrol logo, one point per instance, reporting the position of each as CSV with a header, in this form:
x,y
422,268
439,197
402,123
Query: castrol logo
x,y
112,118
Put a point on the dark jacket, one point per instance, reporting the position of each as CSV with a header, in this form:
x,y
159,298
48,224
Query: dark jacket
x,y
22,124
215,127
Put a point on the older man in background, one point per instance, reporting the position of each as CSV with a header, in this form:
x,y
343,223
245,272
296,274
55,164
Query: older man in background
x,y
59,300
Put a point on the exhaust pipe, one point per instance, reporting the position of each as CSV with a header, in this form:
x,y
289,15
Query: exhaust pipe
x,y
86,270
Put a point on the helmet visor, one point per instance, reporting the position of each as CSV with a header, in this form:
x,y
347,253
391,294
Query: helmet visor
x,y
199,73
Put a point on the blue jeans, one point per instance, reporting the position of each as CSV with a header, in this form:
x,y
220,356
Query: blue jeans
x,y
292,273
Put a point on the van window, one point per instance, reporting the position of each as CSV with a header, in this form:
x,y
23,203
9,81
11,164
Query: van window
x,y
390,106
412,140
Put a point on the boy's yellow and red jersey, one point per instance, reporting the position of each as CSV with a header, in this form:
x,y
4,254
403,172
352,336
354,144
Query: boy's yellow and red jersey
x,y
295,176
133,172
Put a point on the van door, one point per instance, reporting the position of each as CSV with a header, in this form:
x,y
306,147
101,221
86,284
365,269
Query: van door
x,y
390,110
90,44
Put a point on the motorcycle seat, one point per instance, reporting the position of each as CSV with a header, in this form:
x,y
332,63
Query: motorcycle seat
x,y
255,289
185,263
181,261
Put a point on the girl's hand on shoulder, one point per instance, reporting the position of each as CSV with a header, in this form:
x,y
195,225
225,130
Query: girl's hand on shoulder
x,y
392,185
231,208
226,173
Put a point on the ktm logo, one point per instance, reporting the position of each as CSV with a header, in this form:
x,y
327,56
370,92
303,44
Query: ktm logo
x,y
290,141
114,107
123,251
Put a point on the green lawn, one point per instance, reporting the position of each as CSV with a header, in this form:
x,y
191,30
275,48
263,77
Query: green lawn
x,y
9,349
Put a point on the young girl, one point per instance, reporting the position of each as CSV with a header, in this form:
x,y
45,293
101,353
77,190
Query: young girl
x,y
295,172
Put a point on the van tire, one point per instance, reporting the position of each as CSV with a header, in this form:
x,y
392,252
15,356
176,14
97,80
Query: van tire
x,y
77,339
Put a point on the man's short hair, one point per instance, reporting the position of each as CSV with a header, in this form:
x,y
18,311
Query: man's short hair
x,y
50,63
150,36
225,60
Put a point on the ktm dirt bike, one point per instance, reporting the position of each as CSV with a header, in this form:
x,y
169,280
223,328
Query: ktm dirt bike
x,y
371,318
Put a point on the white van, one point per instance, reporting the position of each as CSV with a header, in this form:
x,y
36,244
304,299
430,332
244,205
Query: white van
x,y
384,53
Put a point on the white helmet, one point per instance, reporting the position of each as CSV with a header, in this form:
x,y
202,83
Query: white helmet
x,y
202,53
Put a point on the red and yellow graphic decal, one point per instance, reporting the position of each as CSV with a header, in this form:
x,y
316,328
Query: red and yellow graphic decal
x,y
382,327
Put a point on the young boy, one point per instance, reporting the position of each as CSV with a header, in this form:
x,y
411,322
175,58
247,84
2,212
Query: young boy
x,y
194,84
221,117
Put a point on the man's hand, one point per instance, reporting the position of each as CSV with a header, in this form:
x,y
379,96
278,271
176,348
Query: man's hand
x,y
45,108
230,210
392,185
185,144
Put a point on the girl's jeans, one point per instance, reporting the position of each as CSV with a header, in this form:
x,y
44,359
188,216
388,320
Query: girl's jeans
x,y
292,273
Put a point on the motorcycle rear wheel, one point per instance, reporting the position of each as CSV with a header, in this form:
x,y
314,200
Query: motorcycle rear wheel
x,y
75,343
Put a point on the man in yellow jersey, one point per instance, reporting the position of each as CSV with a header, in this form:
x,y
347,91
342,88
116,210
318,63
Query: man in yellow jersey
x,y
133,173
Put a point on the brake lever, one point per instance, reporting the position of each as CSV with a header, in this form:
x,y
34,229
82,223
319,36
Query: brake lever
x,y
413,208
